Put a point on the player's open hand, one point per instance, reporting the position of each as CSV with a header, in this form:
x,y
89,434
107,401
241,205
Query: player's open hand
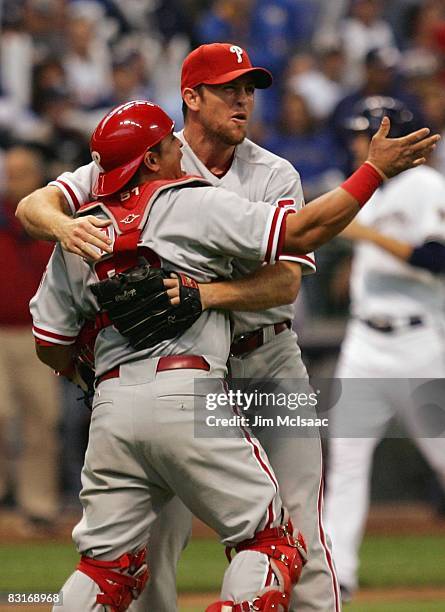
x,y
391,156
85,236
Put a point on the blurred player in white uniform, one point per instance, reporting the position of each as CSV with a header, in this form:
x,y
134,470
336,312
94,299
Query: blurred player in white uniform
x,y
397,330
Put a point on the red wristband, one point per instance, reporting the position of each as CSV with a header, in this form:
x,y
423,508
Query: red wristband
x,y
362,184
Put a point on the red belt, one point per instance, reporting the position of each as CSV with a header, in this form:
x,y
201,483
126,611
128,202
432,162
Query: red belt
x,y
172,362
255,339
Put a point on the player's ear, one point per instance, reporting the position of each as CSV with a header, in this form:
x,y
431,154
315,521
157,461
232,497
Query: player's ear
x,y
191,98
151,160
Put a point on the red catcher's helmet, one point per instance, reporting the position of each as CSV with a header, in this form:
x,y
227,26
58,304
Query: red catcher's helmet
x,y
121,139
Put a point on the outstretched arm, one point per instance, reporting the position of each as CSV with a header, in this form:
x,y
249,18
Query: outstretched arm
x,y
318,222
430,255
356,232
45,215
329,214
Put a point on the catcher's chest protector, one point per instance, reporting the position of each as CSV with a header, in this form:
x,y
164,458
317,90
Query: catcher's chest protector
x,y
129,211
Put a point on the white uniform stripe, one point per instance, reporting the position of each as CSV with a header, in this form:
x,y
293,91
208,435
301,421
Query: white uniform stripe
x,y
265,242
52,340
66,193
273,254
49,334
71,192
273,233
41,327
78,194
306,261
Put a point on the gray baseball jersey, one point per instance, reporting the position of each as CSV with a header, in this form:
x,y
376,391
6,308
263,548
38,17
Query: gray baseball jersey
x,y
142,444
255,174
195,230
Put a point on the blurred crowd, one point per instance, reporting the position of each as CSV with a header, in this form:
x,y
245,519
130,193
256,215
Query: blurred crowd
x,y
64,63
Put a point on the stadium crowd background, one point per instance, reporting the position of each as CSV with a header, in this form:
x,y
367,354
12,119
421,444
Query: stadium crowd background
x,y
64,63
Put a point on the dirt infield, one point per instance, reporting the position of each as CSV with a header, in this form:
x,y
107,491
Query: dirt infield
x,y
386,519
364,596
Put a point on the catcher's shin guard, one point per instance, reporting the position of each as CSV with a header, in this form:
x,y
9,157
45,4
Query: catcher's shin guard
x,y
120,581
287,556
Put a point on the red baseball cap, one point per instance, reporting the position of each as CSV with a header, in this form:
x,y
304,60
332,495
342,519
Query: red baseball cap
x,y
218,63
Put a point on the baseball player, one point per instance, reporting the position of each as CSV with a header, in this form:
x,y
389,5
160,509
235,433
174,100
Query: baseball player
x,y
397,330
142,448
218,83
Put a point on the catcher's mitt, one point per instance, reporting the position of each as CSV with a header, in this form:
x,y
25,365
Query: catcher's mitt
x,y
139,307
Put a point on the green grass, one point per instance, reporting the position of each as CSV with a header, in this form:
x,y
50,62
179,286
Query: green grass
x,y
35,567
201,566
386,562
403,561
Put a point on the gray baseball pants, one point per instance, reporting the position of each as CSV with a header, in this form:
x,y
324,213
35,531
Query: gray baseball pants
x,y
297,463
142,450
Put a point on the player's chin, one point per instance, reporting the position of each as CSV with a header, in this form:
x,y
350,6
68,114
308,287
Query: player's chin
x,y
238,133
